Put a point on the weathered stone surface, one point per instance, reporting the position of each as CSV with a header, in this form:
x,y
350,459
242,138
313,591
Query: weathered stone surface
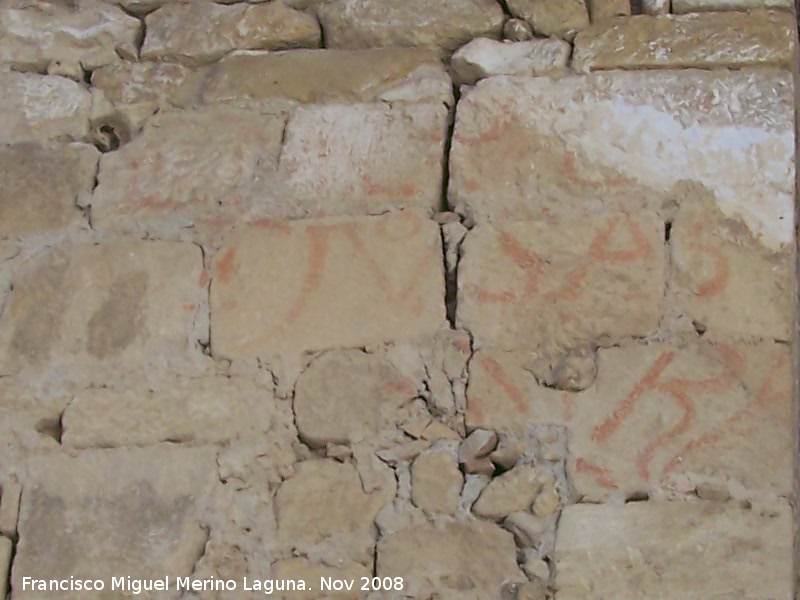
x,y
474,451
590,281
723,278
444,25
135,512
347,396
563,18
40,187
126,303
517,30
470,559
306,515
627,143
685,6
436,482
528,529
649,550
42,107
170,176
602,10
10,491
90,34
701,40
6,549
202,31
655,7
302,569
155,84
657,417
483,57
322,75
364,158
513,491
364,281
215,409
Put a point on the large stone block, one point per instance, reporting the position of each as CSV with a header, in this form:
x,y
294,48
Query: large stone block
x,y
364,159
684,6
629,141
598,280
41,186
90,34
201,31
444,25
656,417
213,409
701,40
185,167
42,107
118,513
283,288
687,550
85,311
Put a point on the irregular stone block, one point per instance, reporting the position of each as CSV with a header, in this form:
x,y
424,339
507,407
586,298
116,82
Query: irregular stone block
x,y
6,550
483,57
90,34
629,142
156,84
603,10
470,559
10,491
307,516
313,76
201,31
655,7
282,288
170,176
562,18
699,40
511,492
42,107
648,550
302,569
443,25
685,6
86,311
41,186
209,410
348,396
723,277
364,159
534,284
657,417
119,513
517,30
436,482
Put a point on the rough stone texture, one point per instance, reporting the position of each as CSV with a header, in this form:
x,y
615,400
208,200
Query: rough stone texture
x,y
365,281
201,31
42,107
10,491
685,6
517,30
216,409
6,548
306,515
563,18
513,491
630,142
603,10
40,187
724,279
436,482
701,40
90,34
170,177
347,396
444,25
301,568
657,416
322,75
649,550
132,512
364,159
121,303
483,57
469,560
589,281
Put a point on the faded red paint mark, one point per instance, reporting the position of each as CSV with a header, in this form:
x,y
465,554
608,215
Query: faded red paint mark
x,y
226,265
601,475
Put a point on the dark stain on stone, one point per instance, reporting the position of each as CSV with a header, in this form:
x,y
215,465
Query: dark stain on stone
x,y
115,325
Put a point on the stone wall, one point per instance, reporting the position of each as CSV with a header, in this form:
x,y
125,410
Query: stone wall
x,y
306,289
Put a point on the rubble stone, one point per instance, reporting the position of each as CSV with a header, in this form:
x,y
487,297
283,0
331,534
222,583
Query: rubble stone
x,y
513,491
484,57
436,482
562,18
